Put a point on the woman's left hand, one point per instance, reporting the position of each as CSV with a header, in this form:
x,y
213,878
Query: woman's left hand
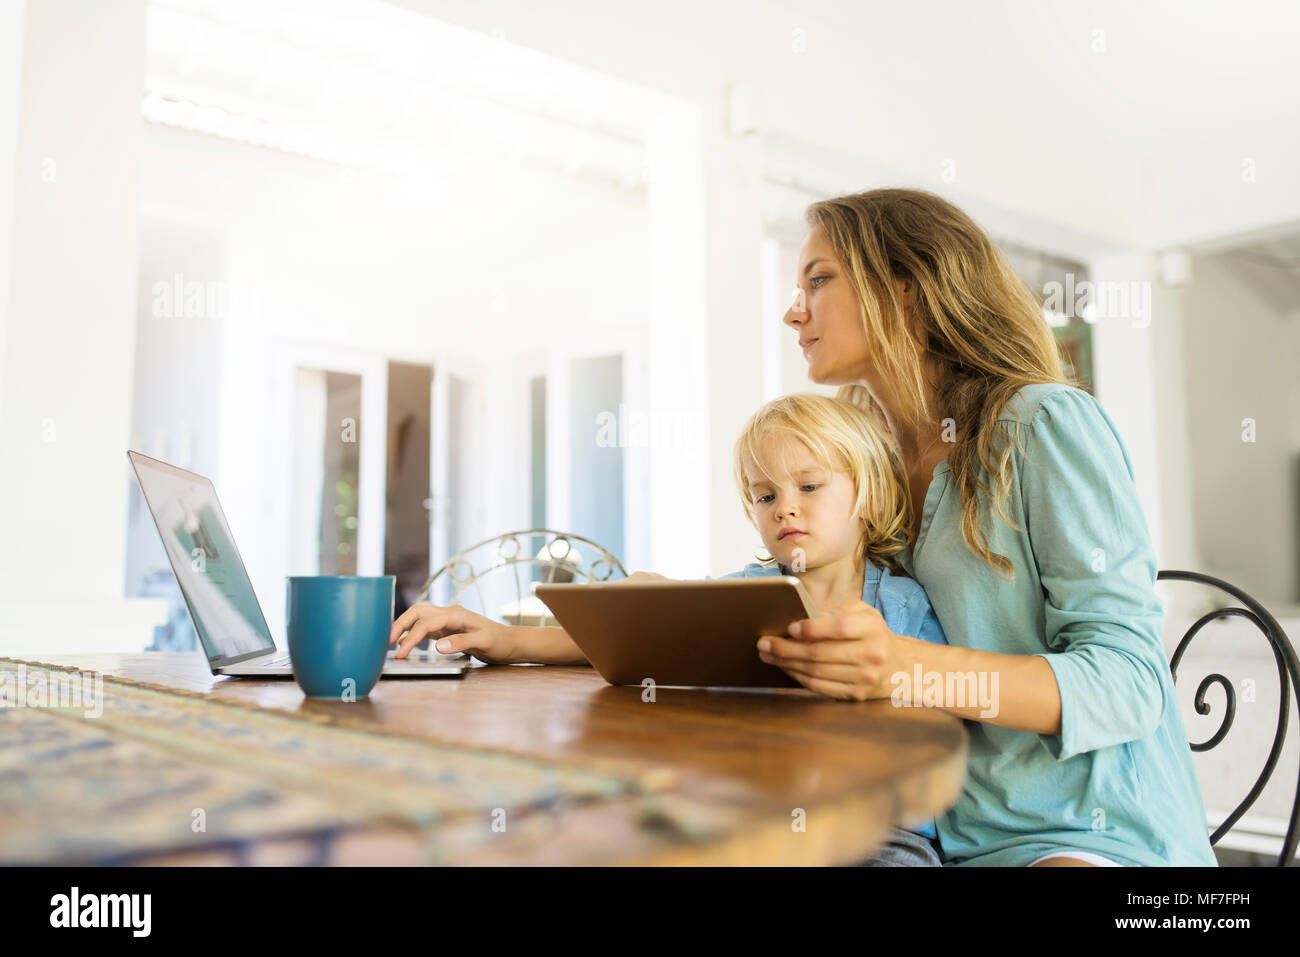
x,y
847,653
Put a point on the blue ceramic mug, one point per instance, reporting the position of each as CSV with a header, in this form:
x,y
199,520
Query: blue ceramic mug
x,y
338,629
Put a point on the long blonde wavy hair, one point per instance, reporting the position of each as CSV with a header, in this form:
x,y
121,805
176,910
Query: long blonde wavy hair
x,y
974,324
843,438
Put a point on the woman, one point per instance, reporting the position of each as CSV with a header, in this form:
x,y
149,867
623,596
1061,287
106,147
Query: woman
x,y
1027,535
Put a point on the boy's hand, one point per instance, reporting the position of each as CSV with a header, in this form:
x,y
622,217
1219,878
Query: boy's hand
x,y
455,630
642,577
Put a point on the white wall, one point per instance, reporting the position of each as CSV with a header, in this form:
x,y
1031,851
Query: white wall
x,y
1243,361
174,407
737,340
11,55
354,263
67,380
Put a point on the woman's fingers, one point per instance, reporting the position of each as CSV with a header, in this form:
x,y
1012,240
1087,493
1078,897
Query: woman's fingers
x,y
842,654
847,623
848,674
832,689
831,666
854,653
846,682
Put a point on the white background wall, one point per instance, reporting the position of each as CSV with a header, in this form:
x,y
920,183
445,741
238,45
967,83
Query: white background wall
x,y
356,266
1236,335
70,328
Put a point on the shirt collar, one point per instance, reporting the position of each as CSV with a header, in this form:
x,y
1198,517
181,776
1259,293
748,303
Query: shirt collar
x,y
872,574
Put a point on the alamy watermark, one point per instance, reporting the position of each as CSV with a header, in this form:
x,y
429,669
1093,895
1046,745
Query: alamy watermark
x,y
1094,300
53,689
660,430
946,689
75,909
181,298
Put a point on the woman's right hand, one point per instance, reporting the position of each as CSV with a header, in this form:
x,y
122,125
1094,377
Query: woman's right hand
x,y
454,629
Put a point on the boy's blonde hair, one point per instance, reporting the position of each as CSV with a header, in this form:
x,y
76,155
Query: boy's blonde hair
x,y
843,438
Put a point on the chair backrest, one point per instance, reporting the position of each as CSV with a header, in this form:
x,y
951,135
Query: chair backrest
x,y
555,556
1288,673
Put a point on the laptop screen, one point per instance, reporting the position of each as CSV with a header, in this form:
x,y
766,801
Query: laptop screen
x,y
207,566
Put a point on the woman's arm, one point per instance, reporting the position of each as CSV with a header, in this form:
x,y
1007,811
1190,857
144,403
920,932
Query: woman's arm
x,y
1102,621
1021,689
851,654
1101,678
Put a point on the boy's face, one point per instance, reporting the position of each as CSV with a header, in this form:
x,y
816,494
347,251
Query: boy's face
x,y
804,511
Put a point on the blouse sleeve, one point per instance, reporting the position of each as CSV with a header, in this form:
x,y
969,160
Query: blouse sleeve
x,y
1097,565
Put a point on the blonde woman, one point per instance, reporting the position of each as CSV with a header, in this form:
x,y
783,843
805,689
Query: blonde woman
x,y
1026,534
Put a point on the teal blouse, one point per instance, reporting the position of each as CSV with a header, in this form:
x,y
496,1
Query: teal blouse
x,y
1118,780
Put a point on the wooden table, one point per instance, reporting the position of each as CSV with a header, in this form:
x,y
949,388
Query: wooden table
x,y
743,762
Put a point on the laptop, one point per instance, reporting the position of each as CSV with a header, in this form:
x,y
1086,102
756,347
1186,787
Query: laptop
x,y
216,586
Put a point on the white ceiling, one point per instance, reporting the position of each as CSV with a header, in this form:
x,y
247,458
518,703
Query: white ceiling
x,y
1137,134
363,83
431,133
1106,124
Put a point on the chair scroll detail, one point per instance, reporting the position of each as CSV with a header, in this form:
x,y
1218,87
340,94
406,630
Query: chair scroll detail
x,y
1288,673
562,557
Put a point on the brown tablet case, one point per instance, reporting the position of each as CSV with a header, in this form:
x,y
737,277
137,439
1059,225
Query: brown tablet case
x,y
682,633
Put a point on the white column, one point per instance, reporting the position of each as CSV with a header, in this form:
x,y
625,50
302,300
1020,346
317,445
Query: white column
x,y
741,336
709,363
11,77
70,331
1125,363
775,282
1178,546
680,487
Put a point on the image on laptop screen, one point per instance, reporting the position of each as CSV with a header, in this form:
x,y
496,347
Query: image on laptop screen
x,y
202,553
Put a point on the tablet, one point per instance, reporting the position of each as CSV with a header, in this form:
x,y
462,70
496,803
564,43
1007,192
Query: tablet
x,y
680,633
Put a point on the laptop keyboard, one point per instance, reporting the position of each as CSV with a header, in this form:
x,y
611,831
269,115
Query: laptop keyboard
x,y
416,657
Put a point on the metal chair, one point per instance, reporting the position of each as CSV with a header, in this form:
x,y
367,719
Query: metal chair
x,y
1288,673
562,557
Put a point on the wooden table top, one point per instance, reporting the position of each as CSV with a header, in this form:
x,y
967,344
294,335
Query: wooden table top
x,y
739,764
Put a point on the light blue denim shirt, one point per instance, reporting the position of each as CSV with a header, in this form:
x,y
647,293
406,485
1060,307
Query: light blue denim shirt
x,y
1118,779
901,602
